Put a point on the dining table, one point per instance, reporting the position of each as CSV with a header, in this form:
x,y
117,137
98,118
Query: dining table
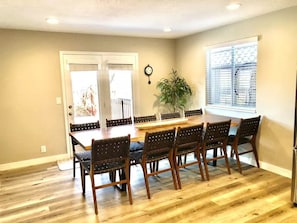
x,y
137,131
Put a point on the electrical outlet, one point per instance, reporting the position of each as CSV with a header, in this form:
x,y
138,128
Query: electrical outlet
x,y
43,149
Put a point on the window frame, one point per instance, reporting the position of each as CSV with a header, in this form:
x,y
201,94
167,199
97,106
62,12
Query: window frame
x,y
231,106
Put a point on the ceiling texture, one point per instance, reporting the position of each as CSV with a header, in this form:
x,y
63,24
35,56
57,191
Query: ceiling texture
x,y
140,18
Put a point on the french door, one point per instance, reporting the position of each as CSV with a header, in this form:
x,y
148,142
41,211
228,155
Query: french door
x,y
97,86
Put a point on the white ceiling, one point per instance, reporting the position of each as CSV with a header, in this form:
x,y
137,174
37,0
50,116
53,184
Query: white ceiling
x,y
145,18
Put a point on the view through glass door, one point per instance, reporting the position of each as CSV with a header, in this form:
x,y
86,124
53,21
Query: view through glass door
x,y
83,104
97,86
87,99
120,91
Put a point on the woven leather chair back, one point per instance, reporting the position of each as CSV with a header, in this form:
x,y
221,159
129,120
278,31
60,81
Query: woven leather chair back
x,y
217,133
117,122
188,137
84,126
170,115
193,112
158,144
248,127
111,152
148,118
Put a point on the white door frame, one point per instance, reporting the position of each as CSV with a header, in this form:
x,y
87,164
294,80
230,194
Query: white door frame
x,y
100,58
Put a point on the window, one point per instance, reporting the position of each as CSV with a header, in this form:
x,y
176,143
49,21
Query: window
x,y
231,75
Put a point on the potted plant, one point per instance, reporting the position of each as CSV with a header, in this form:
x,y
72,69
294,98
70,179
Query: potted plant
x,y
174,91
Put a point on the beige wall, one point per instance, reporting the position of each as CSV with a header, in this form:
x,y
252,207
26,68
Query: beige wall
x,y
31,80
276,76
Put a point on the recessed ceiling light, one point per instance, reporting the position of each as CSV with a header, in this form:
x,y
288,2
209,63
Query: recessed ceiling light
x,y
233,6
167,29
52,20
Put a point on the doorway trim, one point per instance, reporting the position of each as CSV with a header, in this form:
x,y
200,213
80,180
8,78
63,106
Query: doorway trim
x,y
106,56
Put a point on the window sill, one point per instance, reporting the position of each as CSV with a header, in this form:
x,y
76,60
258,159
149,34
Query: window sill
x,y
236,112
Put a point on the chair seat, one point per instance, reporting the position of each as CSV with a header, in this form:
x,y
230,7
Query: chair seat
x,y
135,157
242,140
185,150
83,155
77,155
246,134
136,146
107,156
104,167
157,156
158,145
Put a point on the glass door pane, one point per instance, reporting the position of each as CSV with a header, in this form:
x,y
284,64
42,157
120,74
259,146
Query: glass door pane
x,y
120,87
84,96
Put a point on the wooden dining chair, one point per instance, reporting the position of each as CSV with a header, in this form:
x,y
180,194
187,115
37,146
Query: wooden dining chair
x,y
81,155
194,112
117,122
188,141
190,113
147,118
246,134
170,115
158,146
215,137
135,147
108,155
141,119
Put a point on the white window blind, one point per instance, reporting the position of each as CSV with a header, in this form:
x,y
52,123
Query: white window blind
x,y
231,74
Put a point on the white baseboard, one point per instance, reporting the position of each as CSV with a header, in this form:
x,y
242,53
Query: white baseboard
x,y
8,166
269,167
275,169
32,162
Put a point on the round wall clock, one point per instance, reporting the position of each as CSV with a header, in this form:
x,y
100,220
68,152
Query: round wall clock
x,y
148,70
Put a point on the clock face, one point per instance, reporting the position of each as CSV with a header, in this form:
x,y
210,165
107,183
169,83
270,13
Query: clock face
x,y
148,70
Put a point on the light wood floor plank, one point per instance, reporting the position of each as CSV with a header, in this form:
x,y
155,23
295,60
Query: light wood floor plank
x,y
46,194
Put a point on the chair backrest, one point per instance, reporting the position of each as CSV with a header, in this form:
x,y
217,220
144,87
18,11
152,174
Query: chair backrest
x,y
148,118
216,133
170,115
193,112
117,122
158,144
188,137
110,151
84,126
248,127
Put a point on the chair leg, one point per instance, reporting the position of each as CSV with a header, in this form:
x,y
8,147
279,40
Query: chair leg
x,y
179,160
255,153
226,159
127,175
177,164
83,179
112,176
234,148
215,155
94,193
205,164
74,161
199,164
144,169
185,159
172,166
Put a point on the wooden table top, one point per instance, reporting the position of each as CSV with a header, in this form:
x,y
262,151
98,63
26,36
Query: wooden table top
x,y
137,131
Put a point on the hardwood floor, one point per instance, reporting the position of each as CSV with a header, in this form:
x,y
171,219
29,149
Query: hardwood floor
x,y
46,194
